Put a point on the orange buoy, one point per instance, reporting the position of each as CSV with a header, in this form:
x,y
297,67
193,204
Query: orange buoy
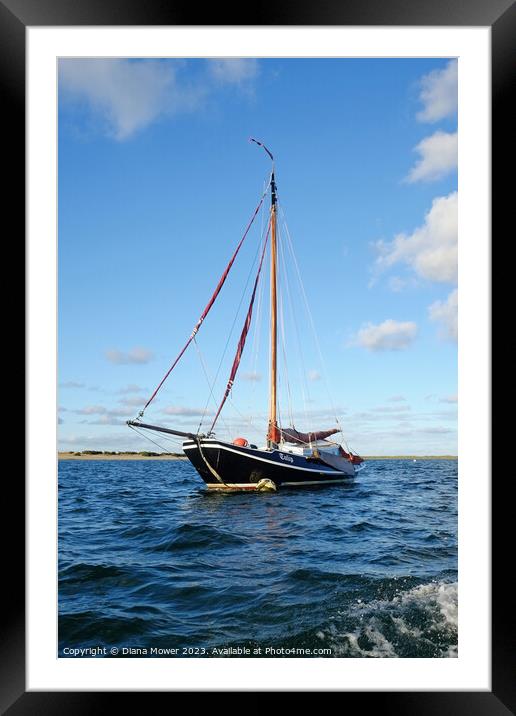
x,y
241,442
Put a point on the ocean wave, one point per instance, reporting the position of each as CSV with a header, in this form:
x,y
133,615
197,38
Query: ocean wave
x,y
420,622
91,573
190,536
368,570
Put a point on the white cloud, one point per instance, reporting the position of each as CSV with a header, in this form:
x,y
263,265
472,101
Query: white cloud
x,y
397,399
445,313
439,93
438,157
449,398
91,410
105,420
71,384
314,375
317,415
387,336
136,355
391,408
252,376
105,440
397,284
431,249
234,70
132,401
131,388
437,430
182,410
100,410
128,95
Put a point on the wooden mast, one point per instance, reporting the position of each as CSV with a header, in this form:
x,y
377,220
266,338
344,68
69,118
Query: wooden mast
x,y
273,432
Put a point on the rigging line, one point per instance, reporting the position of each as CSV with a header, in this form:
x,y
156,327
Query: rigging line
x,y
287,379
284,353
265,188
312,324
259,247
283,283
209,305
257,325
255,349
176,442
210,467
146,437
250,419
211,385
143,435
280,420
243,336
245,418
256,332
301,364
301,284
304,372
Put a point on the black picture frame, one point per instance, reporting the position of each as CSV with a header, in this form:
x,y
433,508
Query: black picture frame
x,y
15,17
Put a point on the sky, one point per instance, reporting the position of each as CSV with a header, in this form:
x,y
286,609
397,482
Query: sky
x,y
157,181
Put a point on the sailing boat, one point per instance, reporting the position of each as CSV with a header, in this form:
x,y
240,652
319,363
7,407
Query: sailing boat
x,y
289,458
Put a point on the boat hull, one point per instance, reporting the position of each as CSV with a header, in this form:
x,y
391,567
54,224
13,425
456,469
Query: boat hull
x,y
225,466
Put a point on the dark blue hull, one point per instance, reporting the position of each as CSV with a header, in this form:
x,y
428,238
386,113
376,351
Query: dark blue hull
x,y
226,466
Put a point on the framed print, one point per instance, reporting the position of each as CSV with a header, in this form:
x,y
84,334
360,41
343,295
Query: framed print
x,y
126,577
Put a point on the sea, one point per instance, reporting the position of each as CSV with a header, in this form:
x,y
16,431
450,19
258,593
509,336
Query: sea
x,y
153,565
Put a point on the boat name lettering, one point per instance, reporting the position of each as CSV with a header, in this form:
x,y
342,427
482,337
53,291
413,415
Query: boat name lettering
x,y
287,458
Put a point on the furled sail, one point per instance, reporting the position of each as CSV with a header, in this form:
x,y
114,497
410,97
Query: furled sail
x,y
243,335
291,435
208,307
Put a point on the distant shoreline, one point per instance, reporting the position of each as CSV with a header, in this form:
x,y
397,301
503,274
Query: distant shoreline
x,y
410,457
177,456
118,456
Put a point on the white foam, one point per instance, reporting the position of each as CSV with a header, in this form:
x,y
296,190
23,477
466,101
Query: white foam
x,y
436,600
440,594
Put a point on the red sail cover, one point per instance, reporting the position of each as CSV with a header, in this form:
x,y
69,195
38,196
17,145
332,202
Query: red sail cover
x,y
355,459
290,435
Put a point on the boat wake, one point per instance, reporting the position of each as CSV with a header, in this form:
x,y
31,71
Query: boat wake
x,y
421,622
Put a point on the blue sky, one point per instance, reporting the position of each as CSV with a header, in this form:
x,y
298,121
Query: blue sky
x,y
157,181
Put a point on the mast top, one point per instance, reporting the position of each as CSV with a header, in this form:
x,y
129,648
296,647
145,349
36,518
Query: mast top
x,y
273,432
273,182
261,144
